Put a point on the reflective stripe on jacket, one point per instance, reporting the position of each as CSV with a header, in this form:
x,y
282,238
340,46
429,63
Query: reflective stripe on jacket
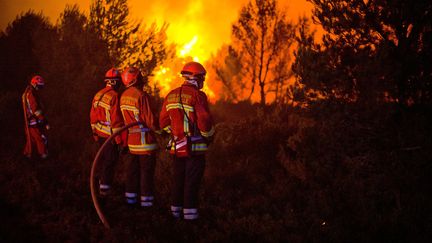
x,y
189,116
135,107
105,115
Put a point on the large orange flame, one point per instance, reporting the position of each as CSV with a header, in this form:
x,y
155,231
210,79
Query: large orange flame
x,y
167,76
198,28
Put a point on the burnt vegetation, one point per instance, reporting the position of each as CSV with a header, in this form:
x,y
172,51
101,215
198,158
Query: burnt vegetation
x,y
342,155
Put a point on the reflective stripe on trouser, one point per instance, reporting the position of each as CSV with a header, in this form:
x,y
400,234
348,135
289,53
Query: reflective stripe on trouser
x,y
147,201
187,173
140,173
131,197
104,189
176,211
36,140
108,160
190,213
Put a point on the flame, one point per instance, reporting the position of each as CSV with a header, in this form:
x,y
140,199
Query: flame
x,y
199,29
210,94
163,79
187,48
167,76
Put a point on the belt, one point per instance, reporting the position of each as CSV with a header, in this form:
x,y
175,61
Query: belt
x,y
138,130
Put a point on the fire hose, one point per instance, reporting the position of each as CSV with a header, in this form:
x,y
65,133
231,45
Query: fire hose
x,y
94,166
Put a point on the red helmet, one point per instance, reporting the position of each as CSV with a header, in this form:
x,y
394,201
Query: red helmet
x,y
112,74
37,81
193,69
130,76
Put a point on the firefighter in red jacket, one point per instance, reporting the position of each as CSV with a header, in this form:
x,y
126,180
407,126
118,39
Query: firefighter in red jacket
x,y
185,114
105,119
141,140
35,122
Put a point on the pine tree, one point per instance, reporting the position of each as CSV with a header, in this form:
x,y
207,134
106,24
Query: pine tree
x,y
129,44
374,51
110,20
262,37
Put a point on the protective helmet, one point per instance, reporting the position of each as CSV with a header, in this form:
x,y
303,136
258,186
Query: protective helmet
x,y
194,73
193,69
131,76
37,81
112,77
113,73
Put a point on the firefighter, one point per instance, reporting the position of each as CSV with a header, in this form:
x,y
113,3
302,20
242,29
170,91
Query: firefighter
x,y
185,115
105,119
35,122
141,140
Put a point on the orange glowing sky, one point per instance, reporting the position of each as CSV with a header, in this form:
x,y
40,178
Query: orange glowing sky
x,y
198,27
208,21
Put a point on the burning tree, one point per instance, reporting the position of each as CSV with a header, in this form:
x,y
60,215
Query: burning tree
x,y
262,37
146,49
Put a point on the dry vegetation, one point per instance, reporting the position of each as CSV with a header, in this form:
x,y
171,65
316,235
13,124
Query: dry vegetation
x,y
276,174
354,167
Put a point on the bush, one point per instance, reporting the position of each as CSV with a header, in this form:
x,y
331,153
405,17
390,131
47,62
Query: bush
x,y
362,170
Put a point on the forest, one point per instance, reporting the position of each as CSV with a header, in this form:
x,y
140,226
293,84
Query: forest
x,y
323,139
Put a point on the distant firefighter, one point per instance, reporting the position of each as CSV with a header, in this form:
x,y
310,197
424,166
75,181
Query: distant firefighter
x,y
105,119
141,140
35,122
185,114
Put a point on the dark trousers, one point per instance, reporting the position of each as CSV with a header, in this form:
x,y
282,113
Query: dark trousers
x,y
109,158
139,174
188,173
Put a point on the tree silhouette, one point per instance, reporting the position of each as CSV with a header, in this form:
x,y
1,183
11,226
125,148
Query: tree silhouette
x,y
20,57
261,38
374,51
80,57
129,44
110,20
146,49
227,68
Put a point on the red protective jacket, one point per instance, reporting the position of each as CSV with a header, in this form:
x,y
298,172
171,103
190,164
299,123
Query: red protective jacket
x,y
35,121
105,115
33,108
135,107
196,123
